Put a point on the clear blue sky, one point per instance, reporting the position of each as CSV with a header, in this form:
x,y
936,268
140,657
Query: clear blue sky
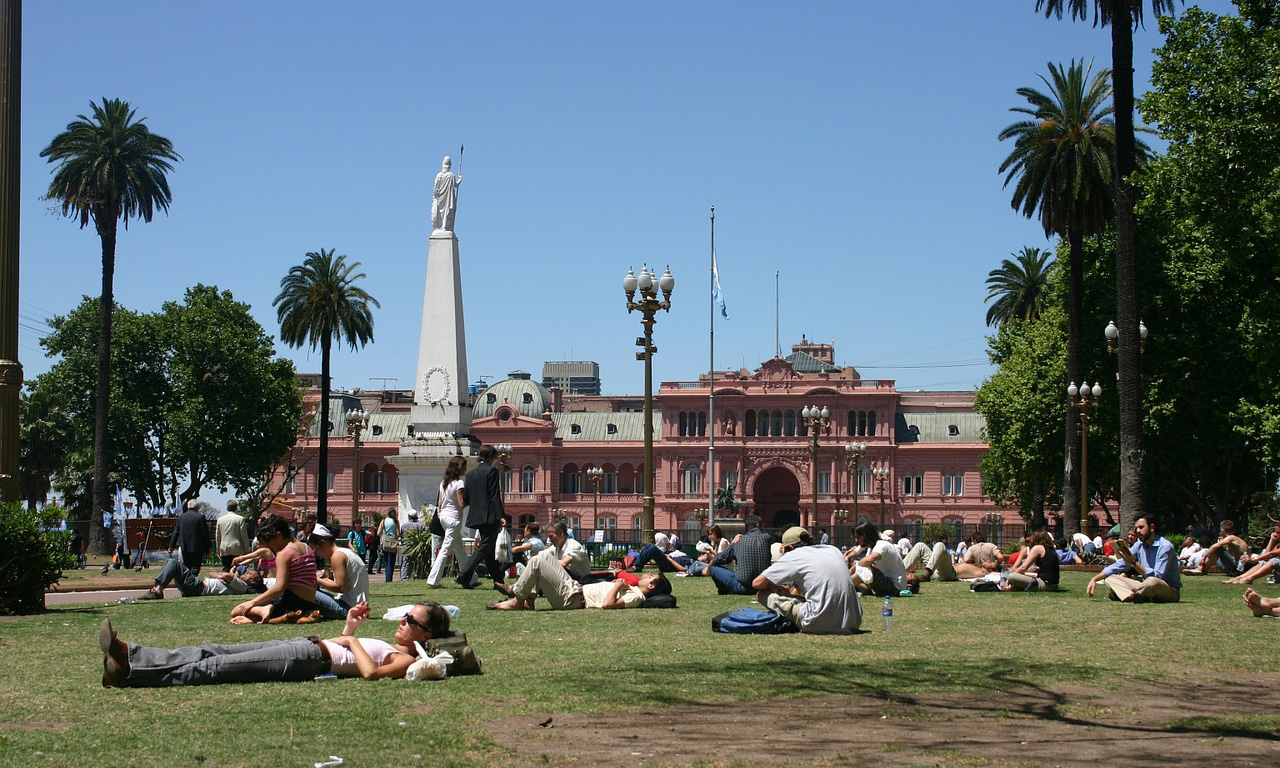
x,y
850,146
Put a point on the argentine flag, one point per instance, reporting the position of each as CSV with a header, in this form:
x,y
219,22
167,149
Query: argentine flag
x,y
717,295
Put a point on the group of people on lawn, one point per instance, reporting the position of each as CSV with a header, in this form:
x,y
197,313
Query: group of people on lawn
x,y
812,583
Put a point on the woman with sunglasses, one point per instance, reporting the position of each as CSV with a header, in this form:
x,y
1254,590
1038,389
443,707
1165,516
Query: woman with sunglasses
x,y
128,665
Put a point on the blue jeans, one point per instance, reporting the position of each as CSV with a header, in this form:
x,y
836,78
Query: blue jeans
x,y
331,607
186,580
389,564
271,661
651,553
727,581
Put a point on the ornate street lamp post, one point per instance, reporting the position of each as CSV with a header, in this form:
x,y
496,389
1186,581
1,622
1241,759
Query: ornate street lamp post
x,y
881,475
839,519
854,452
357,420
815,420
504,459
1084,399
595,475
648,305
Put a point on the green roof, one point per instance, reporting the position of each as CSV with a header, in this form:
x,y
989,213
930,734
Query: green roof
x,y
964,427
628,426
803,362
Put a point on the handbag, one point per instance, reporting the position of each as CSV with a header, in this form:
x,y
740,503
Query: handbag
x,y
390,542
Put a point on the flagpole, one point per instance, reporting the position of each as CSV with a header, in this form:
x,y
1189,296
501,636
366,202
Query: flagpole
x,y
711,387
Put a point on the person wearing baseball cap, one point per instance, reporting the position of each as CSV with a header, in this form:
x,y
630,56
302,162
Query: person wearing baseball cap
x,y
810,585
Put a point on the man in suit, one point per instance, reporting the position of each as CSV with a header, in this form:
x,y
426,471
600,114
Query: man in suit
x,y
191,536
233,535
482,490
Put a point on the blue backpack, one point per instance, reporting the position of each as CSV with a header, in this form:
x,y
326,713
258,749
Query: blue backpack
x,y
752,621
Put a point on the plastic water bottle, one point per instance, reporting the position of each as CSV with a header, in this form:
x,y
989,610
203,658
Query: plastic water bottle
x,y
453,611
128,599
886,615
1004,580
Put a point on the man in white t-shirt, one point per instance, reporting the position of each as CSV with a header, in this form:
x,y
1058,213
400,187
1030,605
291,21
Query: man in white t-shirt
x,y
810,585
880,571
556,572
190,584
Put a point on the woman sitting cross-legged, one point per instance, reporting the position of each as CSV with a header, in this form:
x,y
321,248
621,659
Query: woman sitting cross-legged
x,y
129,665
1041,555
293,595
348,582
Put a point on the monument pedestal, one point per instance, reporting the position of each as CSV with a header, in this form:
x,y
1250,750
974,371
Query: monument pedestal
x,y
421,463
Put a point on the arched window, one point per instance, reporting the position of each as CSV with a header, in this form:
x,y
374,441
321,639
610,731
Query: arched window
x,y
776,431
506,479
390,479
862,423
853,422
570,479
702,423
789,423
871,423
692,478
749,423
528,478
609,483
683,418
370,482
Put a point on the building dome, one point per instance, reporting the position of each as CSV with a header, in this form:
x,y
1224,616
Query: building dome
x,y
520,390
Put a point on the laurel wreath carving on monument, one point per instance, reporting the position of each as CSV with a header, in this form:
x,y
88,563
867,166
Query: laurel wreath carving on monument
x,y
436,385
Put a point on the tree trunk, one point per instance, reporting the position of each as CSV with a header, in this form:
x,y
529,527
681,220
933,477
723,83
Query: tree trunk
x,y
322,496
1129,385
1075,373
101,539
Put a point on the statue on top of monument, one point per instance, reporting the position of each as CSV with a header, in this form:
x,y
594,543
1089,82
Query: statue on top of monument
x,y
444,201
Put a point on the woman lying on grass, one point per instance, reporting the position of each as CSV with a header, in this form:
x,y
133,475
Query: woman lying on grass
x,y
292,598
128,665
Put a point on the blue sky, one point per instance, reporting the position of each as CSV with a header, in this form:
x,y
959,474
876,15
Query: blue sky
x,y
848,146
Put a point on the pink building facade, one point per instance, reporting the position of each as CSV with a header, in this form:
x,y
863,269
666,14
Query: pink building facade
x,y
920,463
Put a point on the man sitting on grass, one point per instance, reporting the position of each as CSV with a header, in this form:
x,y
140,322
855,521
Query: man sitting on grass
x,y
190,584
810,585
749,554
128,665
1152,560
546,575
1226,553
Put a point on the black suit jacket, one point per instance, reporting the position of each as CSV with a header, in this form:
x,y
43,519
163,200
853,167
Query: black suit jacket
x,y
191,534
483,490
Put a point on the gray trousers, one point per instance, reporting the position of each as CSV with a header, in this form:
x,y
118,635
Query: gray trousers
x,y
186,580
270,661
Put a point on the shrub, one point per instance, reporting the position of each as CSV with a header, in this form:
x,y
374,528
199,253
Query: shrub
x,y
601,561
416,545
931,532
32,556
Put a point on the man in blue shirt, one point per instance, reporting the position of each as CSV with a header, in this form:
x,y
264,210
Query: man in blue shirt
x,y
1152,565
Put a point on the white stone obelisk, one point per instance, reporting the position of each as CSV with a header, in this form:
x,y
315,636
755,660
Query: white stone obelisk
x,y
441,414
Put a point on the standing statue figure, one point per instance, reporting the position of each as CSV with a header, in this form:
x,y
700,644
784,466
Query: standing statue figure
x,y
444,202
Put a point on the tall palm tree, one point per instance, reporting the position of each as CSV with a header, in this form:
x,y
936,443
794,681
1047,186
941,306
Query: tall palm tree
x,y
1020,286
1121,16
319,302
111,168
1063,162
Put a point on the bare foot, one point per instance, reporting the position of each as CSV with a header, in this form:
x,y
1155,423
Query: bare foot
x,y
242,620
288,618
509,605
1254,601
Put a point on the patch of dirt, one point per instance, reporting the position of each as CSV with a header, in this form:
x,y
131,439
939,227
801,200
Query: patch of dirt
x,y
36,725
1062,725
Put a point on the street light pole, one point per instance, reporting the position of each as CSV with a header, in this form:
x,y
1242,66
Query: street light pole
x,y
853,453
357,420
882,477
595,475
504,458
1081,400
648,284
815,420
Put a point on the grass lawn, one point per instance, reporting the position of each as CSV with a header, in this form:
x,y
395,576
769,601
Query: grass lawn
x,y
945,642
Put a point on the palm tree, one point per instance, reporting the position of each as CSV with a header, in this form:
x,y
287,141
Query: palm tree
x,y
1121,15
319,302
1020,286
1063,162
111,168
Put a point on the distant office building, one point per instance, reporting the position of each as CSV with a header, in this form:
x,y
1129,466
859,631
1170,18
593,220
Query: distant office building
x,y
572,377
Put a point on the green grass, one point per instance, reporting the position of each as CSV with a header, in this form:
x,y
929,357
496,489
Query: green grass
x,y
946,639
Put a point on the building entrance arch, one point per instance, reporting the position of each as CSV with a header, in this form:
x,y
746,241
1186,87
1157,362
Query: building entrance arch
x,y
776,497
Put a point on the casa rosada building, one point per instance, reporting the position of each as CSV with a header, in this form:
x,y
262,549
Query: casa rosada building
x,y
920,463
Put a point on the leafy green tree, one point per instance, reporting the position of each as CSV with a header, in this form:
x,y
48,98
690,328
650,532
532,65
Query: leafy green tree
x,y
1063,161
1020,286
45,442
1121,16
111,168
32,556
320,302
1209,216
200,396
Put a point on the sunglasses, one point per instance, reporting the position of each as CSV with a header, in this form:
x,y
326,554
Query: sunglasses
x,y
409,618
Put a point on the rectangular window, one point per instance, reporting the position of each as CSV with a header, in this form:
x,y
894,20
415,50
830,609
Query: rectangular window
x,y
291,480
906,485
328,483
919,485
946,484
824,482
957,485
864,480
730,479
575,523
610,484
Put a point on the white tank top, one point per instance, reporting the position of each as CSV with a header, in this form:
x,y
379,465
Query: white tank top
x,y
343,661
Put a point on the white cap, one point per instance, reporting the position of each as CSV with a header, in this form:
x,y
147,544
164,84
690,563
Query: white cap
x,y
322,531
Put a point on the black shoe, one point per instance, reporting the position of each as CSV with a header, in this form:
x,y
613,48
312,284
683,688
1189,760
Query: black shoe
x,y
151,594
505,589
464,585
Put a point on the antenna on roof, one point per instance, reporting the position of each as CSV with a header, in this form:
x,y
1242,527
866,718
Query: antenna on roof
x,y
383,379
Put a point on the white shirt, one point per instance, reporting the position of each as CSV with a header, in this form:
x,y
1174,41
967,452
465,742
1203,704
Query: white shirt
x,y
579,559
831,604
890,564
